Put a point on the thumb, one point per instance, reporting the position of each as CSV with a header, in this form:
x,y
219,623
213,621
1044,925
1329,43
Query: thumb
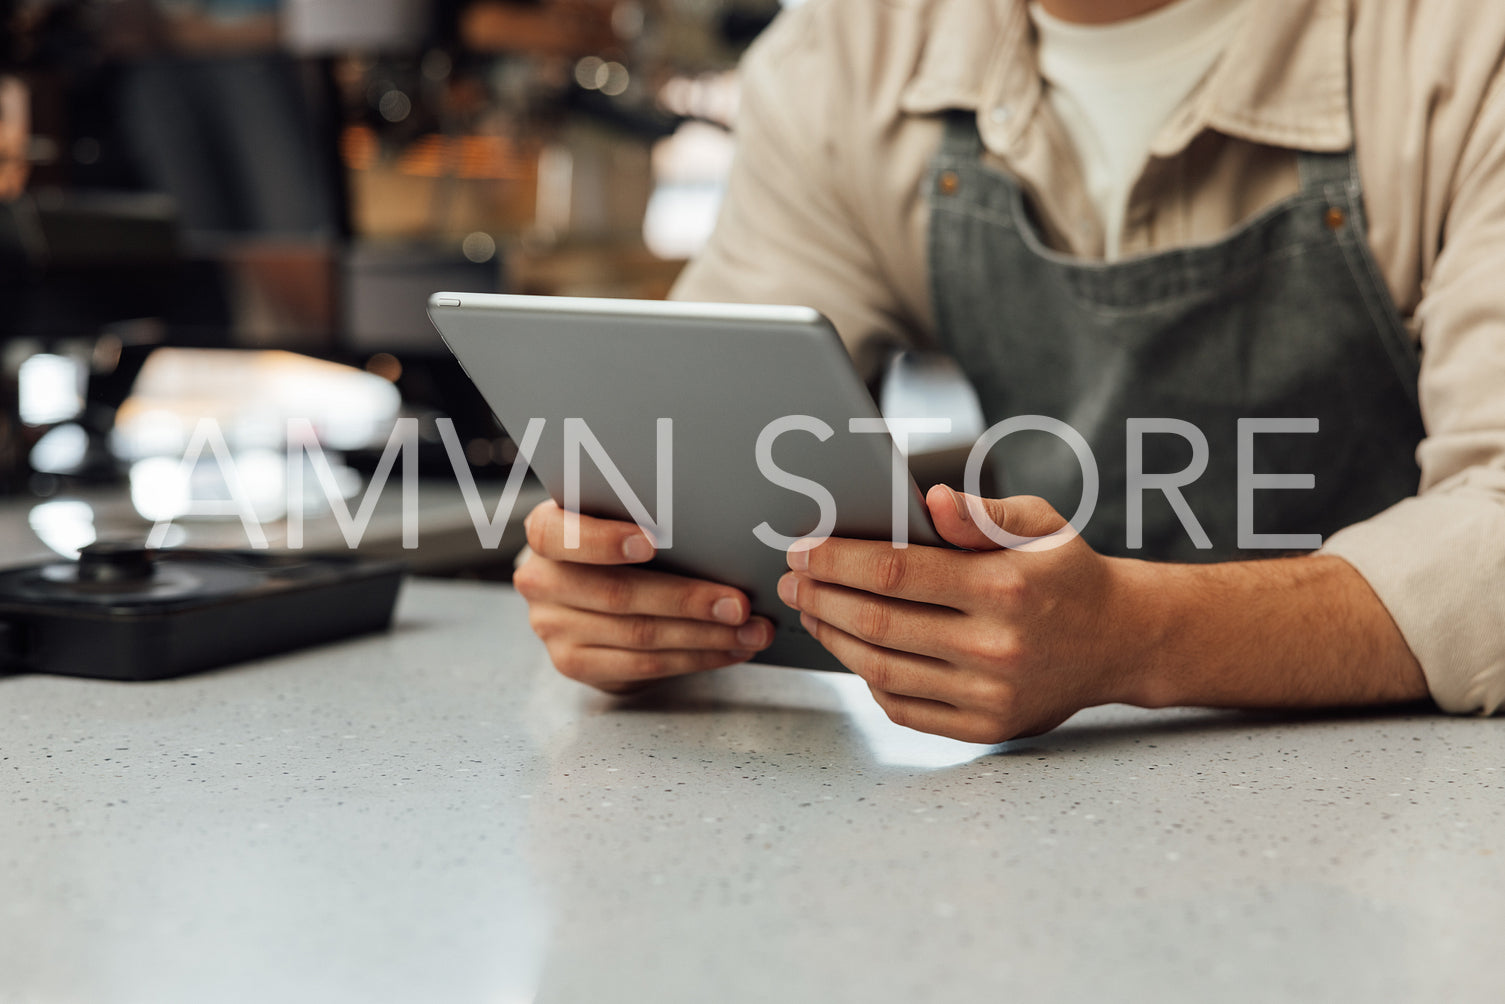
x,y
980,524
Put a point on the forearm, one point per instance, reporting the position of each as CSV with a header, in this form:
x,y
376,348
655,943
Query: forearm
x,y
1297,632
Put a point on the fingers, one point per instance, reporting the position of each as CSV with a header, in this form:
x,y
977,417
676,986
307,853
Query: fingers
x,y
619,628
619,671
920,574
980,524
644,633
939,719
918,693
888,670
882,622
629,591
601,541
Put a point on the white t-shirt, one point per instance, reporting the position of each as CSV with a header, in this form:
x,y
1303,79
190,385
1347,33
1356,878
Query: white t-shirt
x,y
1114,86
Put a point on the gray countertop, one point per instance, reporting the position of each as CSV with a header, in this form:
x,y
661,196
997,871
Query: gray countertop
x,y
435,816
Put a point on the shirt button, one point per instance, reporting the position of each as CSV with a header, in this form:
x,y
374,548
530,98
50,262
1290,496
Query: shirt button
x,y
948,183
1336,217
1000,113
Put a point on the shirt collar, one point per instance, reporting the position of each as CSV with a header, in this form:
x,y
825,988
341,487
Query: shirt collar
x,y
1283,81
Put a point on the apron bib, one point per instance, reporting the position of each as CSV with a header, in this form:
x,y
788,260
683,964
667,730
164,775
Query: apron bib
x,y
1285,318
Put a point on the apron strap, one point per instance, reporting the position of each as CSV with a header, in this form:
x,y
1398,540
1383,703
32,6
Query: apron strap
x,y
1320,170
960,140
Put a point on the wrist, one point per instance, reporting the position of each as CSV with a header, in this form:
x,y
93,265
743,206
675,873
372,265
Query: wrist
x,y
1287,632
1140,630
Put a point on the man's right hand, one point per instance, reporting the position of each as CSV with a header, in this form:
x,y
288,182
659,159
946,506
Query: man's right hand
x,y
616,627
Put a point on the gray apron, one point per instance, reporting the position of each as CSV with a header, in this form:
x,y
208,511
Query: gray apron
x,y
1285,318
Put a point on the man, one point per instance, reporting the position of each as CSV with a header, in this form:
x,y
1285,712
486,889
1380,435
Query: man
x,y
1105,224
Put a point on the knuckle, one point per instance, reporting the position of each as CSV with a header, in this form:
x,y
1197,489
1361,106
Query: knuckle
x,y
801,596
542,621
1032,504
536,525
693,604
1009,588
646,665
899,714
892,571
1002,649
641,632
529,579
993,694
880,675
1011,651
616,594
874,623
1040,515
569,660
820,558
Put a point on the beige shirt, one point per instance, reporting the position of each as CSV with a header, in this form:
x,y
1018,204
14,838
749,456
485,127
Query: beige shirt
x,y
826,207
1114,86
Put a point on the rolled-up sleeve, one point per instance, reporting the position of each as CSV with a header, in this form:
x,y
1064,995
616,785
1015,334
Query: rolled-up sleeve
x,y
786,232
1437,561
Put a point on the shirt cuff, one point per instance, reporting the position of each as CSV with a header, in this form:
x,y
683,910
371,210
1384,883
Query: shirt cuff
x,y
1437,563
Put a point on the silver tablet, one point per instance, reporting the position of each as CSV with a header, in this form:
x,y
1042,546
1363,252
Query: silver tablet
x,y
727,428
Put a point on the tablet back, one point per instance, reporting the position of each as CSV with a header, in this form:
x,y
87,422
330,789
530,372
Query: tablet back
x,y
722,374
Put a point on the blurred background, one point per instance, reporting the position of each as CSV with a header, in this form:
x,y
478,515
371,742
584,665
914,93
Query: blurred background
x,y
237,209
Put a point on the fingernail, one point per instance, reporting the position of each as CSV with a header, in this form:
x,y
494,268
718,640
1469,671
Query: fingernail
x,y
808,623
789,590
637,549
741,656
727,610
960,501
754,636
799,556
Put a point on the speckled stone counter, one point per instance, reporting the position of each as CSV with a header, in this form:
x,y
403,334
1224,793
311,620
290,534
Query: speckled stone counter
x,y
435,816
